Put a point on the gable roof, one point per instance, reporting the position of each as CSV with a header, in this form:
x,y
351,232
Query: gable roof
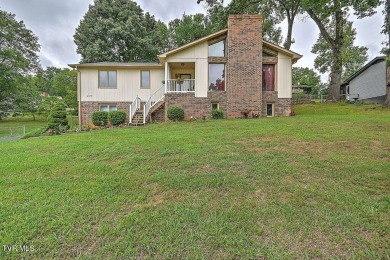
x,y
361,70
295,56
116,65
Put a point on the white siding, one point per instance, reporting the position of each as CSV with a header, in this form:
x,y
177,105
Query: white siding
x,y
284,76
199,55
128,85
370,83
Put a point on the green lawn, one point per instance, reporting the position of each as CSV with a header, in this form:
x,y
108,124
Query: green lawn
x,y
17,123
316,185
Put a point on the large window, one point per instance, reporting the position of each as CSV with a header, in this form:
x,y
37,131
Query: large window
x,y
145,79
269,77
217,49
107,79
107,107
216,77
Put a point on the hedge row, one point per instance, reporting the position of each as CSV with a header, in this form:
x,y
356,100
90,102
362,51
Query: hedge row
x,y
101,118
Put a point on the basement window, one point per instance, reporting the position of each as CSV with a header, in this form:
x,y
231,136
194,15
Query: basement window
x,y
270,109
107,107
214,106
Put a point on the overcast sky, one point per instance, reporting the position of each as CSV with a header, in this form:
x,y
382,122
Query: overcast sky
x,y
54,22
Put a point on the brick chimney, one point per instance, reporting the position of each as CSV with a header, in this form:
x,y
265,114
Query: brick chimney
x,y
244,67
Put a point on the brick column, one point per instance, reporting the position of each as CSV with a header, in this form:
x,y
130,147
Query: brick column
x,y
244,66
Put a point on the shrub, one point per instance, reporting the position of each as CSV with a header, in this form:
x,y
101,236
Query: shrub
x,y
217,114
116,117
57,119
100,118
36,132
175,113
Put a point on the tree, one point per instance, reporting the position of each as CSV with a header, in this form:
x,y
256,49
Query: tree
x,y
386,49
18,53
305,76
273,11
27,98
330,17
119,31
352,57
188,29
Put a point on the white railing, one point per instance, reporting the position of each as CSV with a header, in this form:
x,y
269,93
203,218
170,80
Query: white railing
x,y
153,99
134,107
184,85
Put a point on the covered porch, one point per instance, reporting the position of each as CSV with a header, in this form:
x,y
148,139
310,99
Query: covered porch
x,y
180,77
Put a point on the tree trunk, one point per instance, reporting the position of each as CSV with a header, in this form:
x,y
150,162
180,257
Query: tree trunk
x,y
290,21
387,102
33,116
335,77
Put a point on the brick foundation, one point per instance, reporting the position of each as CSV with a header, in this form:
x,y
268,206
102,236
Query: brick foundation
x,y
244,66
87,108
282,106
196,107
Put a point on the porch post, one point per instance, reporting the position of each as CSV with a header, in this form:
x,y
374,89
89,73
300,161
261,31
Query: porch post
x,y
166,76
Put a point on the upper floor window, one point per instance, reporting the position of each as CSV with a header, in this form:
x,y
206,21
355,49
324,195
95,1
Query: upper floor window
x,y
145,79
216,77
268,77
217,49
107,79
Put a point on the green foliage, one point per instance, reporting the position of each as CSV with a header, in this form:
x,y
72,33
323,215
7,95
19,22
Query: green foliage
x,y
18,53
118,30
116,117
188,29
36,132
352,57
57,119
175,113
99,118
217,114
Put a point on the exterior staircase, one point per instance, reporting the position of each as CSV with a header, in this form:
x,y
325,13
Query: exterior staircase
x,y
140,115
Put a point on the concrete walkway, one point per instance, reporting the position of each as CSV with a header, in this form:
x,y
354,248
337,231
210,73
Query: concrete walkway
x,y
10,138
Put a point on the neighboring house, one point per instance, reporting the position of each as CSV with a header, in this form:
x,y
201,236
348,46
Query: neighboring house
x,y
233,70
301,89
368,84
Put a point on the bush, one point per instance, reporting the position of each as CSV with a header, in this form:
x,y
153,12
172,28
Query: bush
x,y
57,119
100,118
176,113
217,114
116,117
36,132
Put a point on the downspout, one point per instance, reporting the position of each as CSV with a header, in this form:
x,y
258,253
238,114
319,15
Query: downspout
x,y
79,95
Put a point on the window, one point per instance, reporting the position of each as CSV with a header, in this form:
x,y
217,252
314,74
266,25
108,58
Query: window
x,y
269,77
216,77
108,108
214,106
217,49
145,79
270,109
107,79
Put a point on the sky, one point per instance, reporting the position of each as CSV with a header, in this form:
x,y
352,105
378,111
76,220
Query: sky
x,y
55,21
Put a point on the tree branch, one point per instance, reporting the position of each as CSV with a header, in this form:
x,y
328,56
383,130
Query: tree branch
x,y
322,28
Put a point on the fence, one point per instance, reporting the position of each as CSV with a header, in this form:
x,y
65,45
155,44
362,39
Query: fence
x,y
12,131
307,99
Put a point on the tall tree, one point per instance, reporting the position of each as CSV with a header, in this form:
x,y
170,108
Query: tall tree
x,y
308,77
352,57
273,11
27,98
330,17
18,53
119,31
188,29
386,49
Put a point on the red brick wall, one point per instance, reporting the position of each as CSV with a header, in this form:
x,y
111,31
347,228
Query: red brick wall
x,y
196,107
243,70
282,106
87,108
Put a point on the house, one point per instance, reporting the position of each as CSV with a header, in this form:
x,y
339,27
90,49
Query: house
x,y
368,84
234,70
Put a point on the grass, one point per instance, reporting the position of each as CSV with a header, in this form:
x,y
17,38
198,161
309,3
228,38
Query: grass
x,y
316,185
17,123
